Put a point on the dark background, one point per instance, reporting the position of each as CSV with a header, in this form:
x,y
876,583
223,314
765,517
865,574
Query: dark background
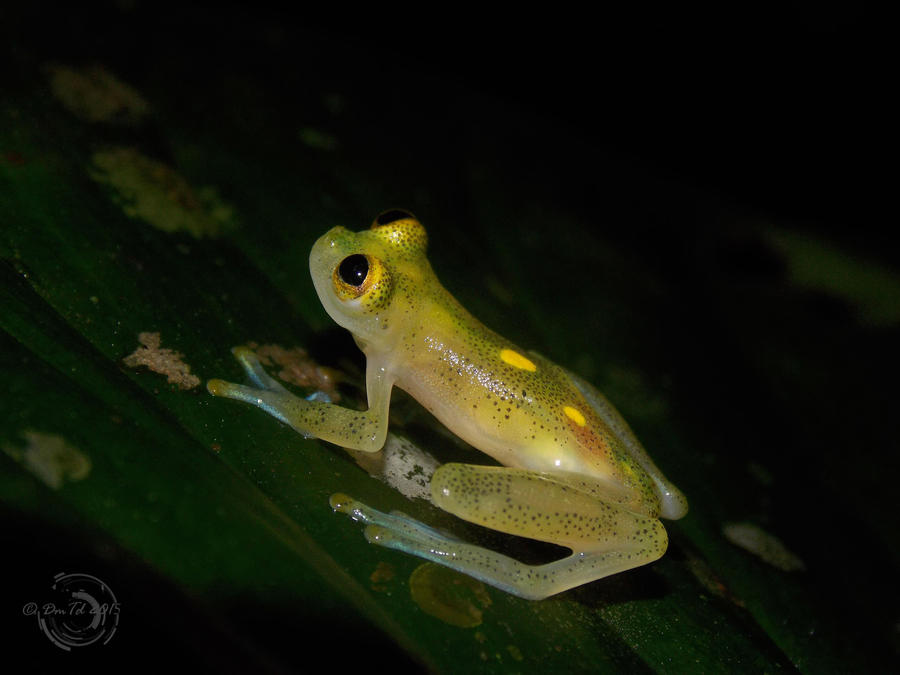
x,y
781,108
668,124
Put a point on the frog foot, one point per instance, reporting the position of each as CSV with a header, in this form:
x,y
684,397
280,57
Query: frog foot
x,y
268,393
532,582
255,371
379,525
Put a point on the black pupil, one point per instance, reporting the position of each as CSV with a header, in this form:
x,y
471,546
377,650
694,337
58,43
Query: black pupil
x,y
389,217
353,269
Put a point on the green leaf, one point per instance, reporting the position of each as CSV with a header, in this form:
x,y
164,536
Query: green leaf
x,y
188,217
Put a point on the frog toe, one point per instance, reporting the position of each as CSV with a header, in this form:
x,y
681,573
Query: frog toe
x,y
255,371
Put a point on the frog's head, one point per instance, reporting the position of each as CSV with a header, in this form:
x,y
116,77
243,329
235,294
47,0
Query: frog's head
x,y
367,281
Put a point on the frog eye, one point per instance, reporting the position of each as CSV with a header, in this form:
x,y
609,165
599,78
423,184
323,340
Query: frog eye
x,y
402,231
354,269
364,278
392,216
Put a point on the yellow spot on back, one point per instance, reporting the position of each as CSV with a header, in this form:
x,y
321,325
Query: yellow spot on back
x,y
517,360
574,415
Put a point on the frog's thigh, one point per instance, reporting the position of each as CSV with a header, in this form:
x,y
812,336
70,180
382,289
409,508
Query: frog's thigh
x,y
535,505
604,539
673,503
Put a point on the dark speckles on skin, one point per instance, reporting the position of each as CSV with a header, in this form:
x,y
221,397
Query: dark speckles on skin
x,y
432,347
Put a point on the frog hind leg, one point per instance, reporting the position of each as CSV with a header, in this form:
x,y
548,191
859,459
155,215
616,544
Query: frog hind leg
x,y
673,503
605,539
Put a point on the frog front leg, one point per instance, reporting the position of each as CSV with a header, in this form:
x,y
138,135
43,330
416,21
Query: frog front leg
x,y
357,429
604,537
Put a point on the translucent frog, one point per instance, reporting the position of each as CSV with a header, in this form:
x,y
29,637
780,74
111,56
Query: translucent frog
x,y
573,473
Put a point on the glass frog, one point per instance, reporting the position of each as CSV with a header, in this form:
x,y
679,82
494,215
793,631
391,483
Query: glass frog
x,y
573,473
